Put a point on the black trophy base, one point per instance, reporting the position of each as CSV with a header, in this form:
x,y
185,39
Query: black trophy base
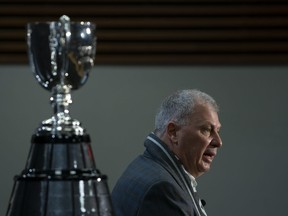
x,y
61,194
60,179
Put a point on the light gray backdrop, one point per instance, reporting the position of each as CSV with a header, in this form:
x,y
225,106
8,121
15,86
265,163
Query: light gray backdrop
x,y
117,107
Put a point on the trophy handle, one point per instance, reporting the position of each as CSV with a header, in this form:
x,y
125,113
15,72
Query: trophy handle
x,y
64,43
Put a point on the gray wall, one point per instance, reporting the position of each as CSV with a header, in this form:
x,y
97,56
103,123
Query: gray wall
x,y
117,107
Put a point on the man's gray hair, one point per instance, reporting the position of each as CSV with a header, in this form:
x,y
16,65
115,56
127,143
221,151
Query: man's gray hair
x,y
179,107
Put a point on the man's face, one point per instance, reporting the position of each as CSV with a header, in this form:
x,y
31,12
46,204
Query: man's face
x,y
198,141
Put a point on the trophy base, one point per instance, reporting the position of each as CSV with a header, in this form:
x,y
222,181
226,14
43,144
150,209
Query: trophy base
x,y
62,195
60,179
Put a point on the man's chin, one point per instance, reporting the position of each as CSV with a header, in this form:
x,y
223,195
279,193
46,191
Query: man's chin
x,y
205,167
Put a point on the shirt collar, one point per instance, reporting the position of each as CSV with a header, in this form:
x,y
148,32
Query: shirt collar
x,y
192,179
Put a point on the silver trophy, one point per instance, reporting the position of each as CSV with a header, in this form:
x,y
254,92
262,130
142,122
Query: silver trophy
x,y
61,55
60,177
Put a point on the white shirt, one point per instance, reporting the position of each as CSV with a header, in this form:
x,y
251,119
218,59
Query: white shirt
x,y
194,184
192,179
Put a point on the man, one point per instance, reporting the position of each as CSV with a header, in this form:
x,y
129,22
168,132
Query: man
x,y
185,141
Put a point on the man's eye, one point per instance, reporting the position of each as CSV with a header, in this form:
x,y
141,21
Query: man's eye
x,y
206,130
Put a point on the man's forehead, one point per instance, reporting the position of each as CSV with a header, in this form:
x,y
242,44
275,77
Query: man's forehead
x,y
205,114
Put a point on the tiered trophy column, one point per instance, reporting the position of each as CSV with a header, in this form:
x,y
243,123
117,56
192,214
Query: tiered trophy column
x,y
60,177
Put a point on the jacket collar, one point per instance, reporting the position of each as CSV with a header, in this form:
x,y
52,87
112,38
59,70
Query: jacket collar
x,y
164,156
160,152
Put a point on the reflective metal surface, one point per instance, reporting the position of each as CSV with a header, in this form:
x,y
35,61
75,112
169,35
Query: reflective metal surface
x,y
61,56
61,52
60,177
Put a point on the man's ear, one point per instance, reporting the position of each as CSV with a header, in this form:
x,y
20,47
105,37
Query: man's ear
x,y
172,129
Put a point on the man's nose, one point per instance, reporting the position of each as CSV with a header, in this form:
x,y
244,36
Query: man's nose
x,y
217,141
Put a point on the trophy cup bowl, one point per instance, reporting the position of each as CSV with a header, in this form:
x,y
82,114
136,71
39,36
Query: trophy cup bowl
x,y
61,52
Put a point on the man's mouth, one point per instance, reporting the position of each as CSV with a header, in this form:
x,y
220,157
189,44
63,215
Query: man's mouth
x,y
208,156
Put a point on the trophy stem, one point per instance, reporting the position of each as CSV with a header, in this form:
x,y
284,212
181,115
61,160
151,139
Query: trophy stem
x,y
60,100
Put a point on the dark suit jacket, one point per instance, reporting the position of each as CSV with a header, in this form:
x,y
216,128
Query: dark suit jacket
x,y
155,184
